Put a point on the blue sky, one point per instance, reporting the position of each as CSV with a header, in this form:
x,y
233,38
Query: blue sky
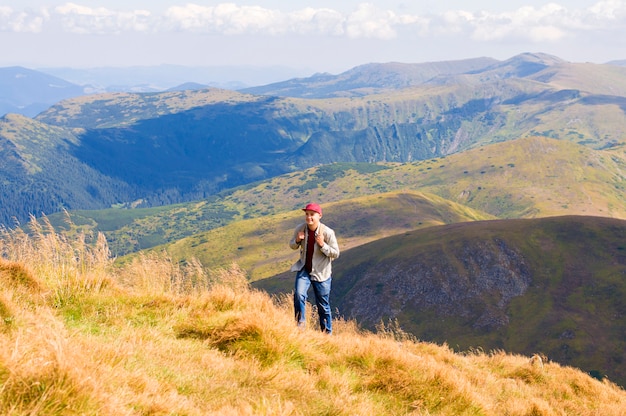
x,y
320,36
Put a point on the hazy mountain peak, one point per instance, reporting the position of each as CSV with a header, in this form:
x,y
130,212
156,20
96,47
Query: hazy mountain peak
x,y
538,57
29,92
522,65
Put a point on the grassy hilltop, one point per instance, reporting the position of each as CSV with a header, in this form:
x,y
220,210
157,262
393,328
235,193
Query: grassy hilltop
x,y
79,336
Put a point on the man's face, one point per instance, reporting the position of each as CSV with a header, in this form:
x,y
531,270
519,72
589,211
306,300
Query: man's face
x,y
312,218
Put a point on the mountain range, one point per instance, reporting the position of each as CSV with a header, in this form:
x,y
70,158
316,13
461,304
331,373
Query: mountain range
x,y
152,149
29,91
478,202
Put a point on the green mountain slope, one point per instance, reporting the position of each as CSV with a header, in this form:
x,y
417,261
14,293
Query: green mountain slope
x,y
534,177
525,178
259,245
552,285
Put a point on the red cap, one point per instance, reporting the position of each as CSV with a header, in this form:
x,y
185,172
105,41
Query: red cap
x,y
313,207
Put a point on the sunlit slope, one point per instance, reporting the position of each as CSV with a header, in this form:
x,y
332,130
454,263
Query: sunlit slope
x,y
530,177
534,177
124,109
260,246
601,80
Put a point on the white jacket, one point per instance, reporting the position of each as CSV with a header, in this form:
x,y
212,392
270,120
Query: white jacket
x,y
322,256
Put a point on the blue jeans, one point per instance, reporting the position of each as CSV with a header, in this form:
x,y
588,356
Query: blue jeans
x,y
322,299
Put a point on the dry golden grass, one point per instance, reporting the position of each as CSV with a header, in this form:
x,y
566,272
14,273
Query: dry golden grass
x,y
80,337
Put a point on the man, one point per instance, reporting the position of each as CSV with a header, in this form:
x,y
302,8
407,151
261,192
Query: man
x,y
318,248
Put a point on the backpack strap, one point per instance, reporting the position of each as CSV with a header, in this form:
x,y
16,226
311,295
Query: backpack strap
x,y
320,229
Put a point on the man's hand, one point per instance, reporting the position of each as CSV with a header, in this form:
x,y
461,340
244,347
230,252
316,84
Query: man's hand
x,y
319,239
300,237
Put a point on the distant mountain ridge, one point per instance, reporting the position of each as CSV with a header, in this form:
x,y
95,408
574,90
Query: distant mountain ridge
x,y
29,92
164,77
369,79
362,80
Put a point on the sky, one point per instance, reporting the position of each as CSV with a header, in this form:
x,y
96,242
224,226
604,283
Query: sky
x,y
316,35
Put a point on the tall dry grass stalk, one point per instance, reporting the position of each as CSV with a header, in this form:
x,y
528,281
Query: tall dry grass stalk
x,y
156,273
80,263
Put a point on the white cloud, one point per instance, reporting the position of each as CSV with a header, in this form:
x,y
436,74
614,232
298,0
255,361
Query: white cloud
x,y
226,18
369,21
549,23
609,10
608,15
316,21
230,19
83,20
21,22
